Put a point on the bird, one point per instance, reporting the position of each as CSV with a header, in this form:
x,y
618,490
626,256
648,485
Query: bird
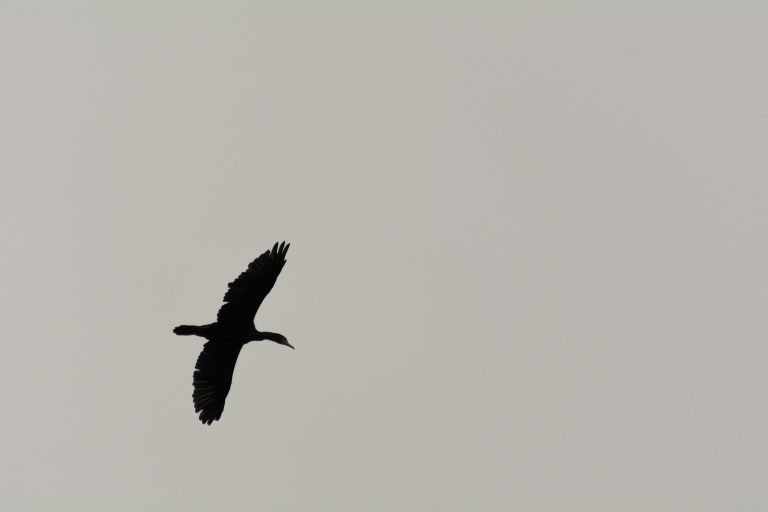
x,y
232,329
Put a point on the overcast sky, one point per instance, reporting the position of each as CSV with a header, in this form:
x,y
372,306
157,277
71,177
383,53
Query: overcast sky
x,y
527,266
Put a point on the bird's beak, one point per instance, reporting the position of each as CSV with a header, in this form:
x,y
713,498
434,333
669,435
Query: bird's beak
x,y
286,342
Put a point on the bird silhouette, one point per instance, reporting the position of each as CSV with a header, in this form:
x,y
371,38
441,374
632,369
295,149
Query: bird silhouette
x,y
233,329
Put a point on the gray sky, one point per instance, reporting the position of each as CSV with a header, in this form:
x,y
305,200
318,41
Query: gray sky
x,y
527,271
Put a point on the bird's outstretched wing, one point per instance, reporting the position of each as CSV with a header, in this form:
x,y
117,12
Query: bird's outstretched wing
x,y
213,378
246,293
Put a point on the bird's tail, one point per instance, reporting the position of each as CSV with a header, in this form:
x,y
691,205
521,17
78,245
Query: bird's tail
x,y
189,330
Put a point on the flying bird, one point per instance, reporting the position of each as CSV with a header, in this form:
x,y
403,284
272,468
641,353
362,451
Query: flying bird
x,y
233,329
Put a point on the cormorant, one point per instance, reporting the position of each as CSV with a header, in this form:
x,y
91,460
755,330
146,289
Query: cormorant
x,y
233,329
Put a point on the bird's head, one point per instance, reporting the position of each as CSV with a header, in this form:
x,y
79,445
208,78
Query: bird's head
x,y
277,338
282,340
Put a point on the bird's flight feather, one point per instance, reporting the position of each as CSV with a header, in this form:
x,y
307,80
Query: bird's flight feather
x,y
246,293
213,378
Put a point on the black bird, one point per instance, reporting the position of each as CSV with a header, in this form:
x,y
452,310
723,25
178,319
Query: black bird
x,y
233,329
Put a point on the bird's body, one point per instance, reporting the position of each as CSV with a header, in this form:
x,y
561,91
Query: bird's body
x,y
227,332
231,331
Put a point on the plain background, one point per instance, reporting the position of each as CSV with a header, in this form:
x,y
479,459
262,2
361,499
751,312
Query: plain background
x,y
527,272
